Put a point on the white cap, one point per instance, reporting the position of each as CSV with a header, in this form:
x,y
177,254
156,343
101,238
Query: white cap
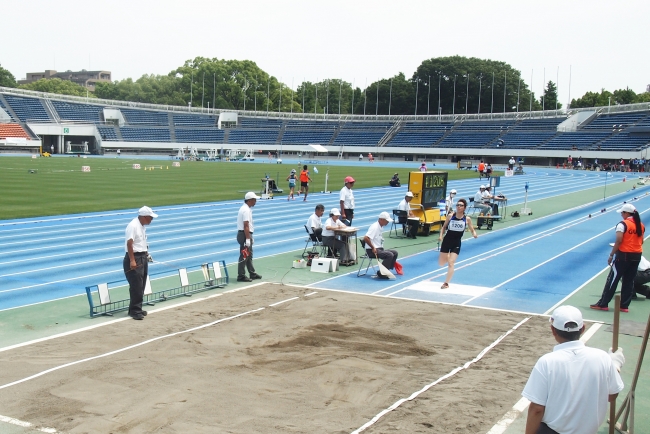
x,y
628,207
453,191
409,194
384,215
566,314
335,211
145,211
251,195
482,187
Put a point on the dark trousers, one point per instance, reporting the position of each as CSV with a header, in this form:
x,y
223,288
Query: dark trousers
x,y
137,280
247,263
624,269
349,215
388,257
641,278
318,233
544,429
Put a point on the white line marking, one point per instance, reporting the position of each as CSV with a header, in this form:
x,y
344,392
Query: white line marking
x,y
444,377
283,301
12,421
172,306
130,347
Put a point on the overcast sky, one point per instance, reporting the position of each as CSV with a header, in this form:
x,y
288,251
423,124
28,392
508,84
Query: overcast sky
x,y
603,42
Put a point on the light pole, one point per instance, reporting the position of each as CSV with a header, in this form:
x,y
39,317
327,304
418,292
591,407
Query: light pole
x,y
467,94
429,96
480,77
609,104
453,108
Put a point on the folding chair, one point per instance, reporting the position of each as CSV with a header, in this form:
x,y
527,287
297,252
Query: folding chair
x,y
365,258
399,218
471,206
315,244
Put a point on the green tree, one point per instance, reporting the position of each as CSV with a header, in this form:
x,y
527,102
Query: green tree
x,y
624,96
6,78
643,97
549,100
58,86
480,86
593,99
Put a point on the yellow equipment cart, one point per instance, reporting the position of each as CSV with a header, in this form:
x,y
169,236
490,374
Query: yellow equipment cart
x,y
429,189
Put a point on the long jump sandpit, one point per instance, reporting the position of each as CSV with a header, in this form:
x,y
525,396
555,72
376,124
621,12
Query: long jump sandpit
x,y
279,359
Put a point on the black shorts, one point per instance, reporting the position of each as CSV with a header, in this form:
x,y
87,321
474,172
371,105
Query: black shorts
x,y
449,245
304,184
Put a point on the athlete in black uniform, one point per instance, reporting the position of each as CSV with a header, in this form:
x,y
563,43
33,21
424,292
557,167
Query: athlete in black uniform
x,y
450,247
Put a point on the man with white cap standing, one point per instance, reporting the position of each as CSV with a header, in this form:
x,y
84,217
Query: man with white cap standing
x,y
245,229
136,262
570,387
374,241
346,201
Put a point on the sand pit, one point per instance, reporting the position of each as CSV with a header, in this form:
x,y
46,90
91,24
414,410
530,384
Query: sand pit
x,y
321,363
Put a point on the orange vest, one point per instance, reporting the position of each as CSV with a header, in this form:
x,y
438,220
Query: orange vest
x,y
632,243
481,166
303,176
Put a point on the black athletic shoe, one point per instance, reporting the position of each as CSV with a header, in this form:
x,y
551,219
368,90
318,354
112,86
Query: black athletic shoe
x,y
243,279
381,276
255,276
138,317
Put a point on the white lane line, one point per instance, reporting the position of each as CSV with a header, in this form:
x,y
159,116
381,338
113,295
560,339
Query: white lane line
x,y
283,301
130,347
83,329
16,422
444,377
544,263
502,425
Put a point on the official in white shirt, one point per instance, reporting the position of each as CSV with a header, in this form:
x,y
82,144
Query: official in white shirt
x,y
569,388
374,240
245,229
136,262
346,201
412,225
314,223
479,198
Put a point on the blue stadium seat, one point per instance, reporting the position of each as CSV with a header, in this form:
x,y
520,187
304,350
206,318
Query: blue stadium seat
x,y
28,108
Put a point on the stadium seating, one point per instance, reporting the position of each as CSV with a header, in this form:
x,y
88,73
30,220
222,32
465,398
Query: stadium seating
x,y
467,140
13,130
622,142
539,124
525,139
199,135
6,110
357,137
144,117
107,133
575,140
133,134
614,121
195,120
312,125
260,123
485,126
305,137
31,109
245,135
78,112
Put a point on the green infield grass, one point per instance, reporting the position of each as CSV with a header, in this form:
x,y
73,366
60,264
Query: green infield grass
x,y
54,186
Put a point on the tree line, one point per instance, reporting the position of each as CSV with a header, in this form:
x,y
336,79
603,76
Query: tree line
x,y
443,85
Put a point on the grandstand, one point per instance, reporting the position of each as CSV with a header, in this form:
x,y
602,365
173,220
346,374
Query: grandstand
x,y
606,133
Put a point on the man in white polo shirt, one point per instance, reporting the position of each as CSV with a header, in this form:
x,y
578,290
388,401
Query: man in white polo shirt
x,y
136,263
569,388
245,231
374,241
